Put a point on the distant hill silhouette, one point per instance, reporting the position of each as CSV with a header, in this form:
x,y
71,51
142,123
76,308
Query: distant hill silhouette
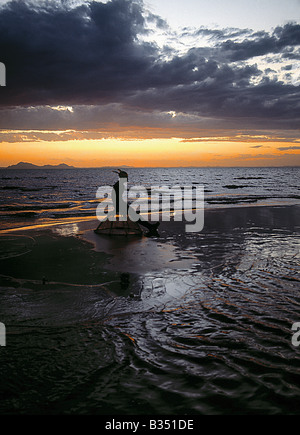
x,y
25,165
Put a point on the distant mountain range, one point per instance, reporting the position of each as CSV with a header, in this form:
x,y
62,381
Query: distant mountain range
x,y
25,165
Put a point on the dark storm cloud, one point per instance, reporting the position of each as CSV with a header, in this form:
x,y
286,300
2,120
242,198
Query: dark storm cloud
x,y
220,34
289,148
263,43
84,54
94,54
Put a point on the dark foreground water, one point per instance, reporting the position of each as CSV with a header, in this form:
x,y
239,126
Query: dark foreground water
x,y
192,324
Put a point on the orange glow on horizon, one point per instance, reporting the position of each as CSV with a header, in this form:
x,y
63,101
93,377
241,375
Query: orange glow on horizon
x,y
152,152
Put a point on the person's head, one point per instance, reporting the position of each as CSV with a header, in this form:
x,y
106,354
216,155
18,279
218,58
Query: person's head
x,y
122,174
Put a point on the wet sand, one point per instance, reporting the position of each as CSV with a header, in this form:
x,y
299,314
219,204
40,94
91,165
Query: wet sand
x,y
180,324
73,254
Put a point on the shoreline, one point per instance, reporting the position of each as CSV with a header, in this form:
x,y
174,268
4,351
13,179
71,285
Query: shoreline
x,y
71,253
209,307
84,221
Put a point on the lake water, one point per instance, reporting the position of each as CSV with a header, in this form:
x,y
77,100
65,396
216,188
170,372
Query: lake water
x,y
180,324
31,197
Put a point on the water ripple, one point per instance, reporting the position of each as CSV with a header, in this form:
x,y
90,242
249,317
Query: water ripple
x,y
211,339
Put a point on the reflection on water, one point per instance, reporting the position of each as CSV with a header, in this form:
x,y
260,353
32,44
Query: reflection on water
x,y
66,230
212,336
64,195
131,254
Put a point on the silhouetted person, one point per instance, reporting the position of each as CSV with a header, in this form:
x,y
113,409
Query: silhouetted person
x,y
123,205
116,187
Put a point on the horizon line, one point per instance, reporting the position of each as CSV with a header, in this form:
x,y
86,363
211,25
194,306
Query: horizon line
x,y
139,167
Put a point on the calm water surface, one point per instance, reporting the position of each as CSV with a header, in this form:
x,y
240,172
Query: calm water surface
x,y
31,197
199,323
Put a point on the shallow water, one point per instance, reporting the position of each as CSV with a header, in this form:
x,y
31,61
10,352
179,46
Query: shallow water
x,y
43,197
205,331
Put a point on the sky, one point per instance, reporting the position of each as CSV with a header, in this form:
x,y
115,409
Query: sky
x,y
150,83
254,14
